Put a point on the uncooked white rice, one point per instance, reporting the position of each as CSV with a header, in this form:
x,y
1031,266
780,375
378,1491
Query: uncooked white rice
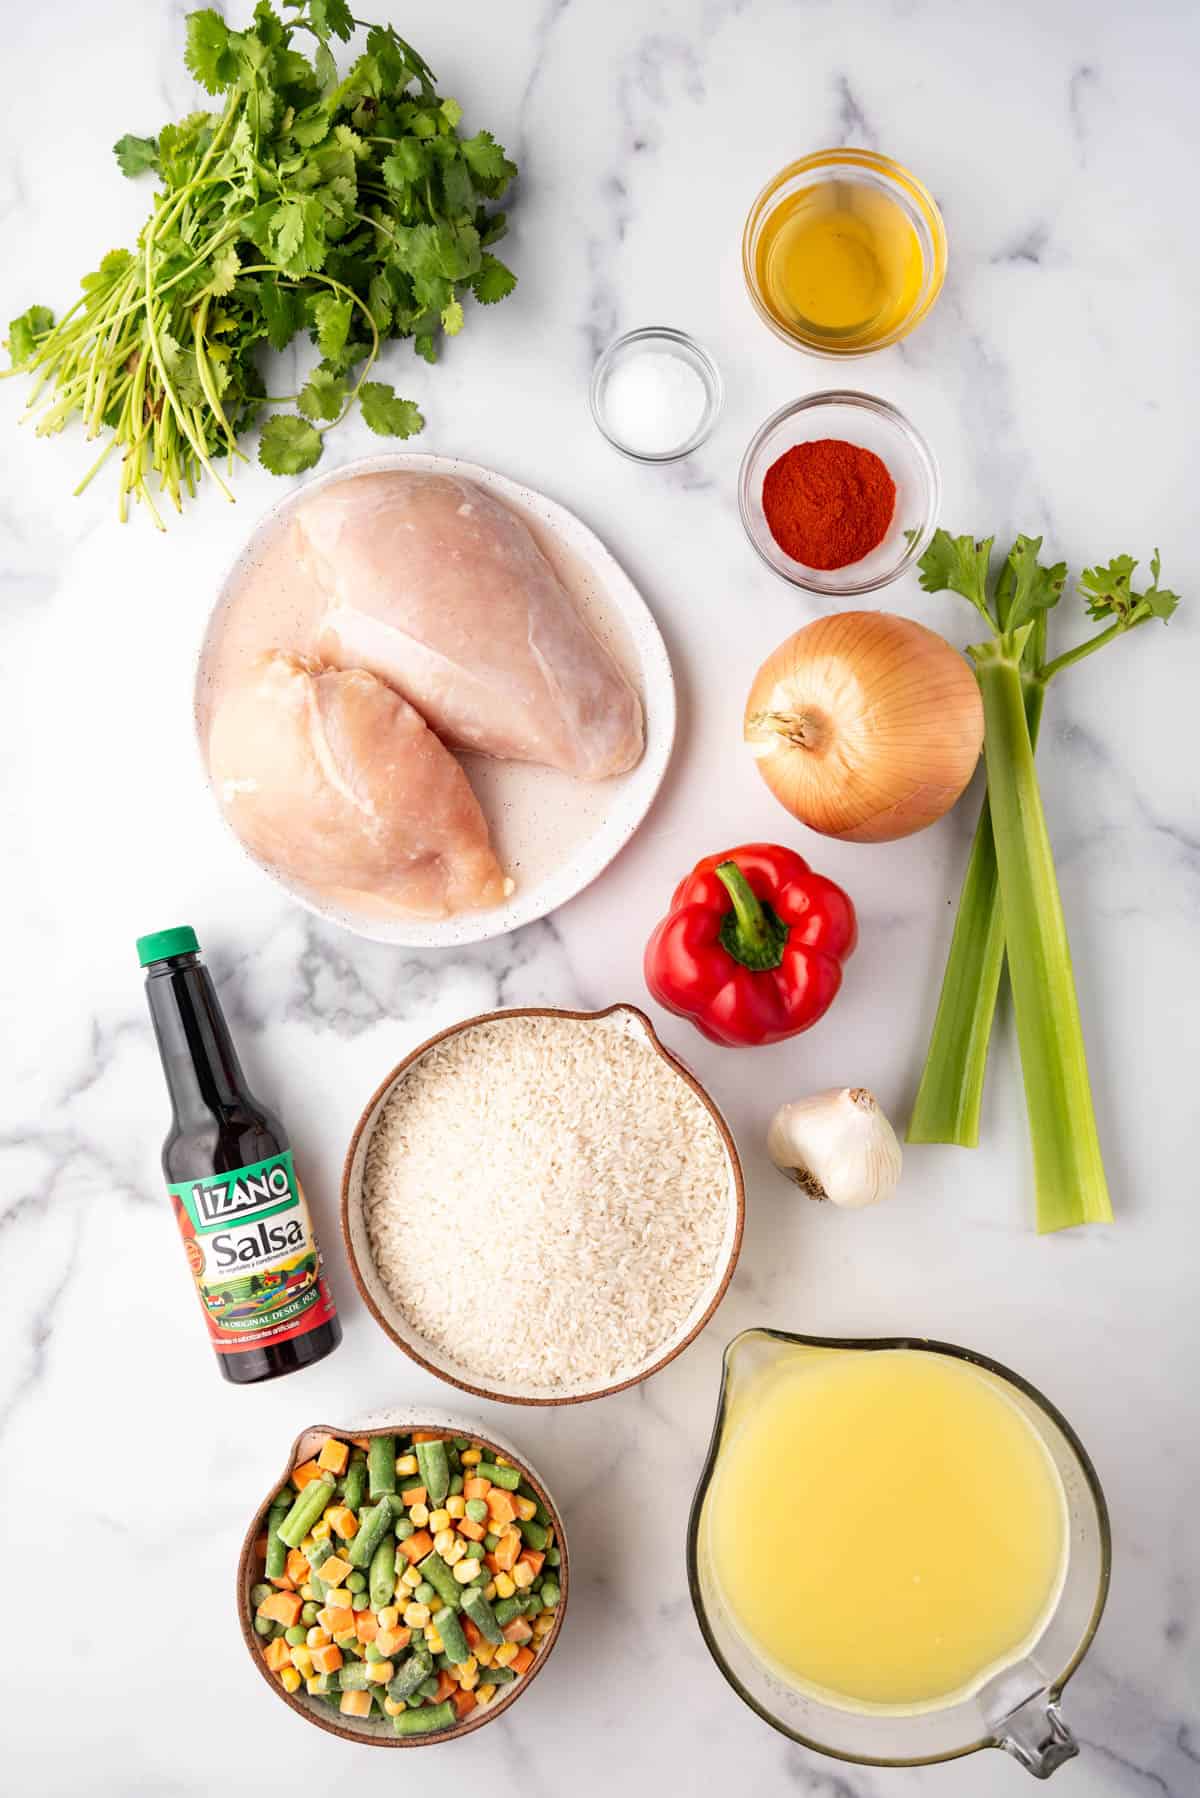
x,y
546,1201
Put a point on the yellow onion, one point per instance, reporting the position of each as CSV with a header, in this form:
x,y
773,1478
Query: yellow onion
x,y
865,726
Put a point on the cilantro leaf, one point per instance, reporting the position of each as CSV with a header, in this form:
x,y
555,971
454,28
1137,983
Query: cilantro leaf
x,y
136,154
281,310
289,444
323,394
296,234
959,564
407,165
452,318
23,333
493,282
330,18
386,415
1026,587
487,162
331,321
211,52
224,270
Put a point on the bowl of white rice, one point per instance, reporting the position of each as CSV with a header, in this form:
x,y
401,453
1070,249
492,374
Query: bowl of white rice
x,y
542,1206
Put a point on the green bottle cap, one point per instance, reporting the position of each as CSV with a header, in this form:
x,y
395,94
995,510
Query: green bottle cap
x,y
162,943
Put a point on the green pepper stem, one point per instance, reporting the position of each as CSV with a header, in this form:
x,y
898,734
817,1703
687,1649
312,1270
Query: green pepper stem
x,y
751,932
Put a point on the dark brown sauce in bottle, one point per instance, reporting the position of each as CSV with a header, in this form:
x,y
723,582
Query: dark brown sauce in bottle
x,y
238,1203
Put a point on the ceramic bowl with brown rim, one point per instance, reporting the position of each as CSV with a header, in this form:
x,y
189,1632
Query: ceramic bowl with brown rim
x,y
385,1300
376,1731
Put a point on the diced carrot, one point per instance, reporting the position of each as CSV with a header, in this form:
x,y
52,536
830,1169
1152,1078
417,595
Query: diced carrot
x,y
297,1566
473,1634
343,1520
520,1663
445,1686
260,1547
355,1704
336,1618
284,1583
517,1631
413,1495
463,1702
414,1548
507,1552
475,1532
334,1570
500,1506
366,1626
281,1607
304,1475
277,1654
327,1659
333,1455
391,1641
428,1436
533,1559
476,1488
492,1564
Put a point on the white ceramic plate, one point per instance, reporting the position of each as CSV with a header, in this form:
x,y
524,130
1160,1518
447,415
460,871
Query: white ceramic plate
x,y
552,833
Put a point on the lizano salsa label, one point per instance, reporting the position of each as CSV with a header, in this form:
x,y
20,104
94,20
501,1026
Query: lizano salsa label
x,y
253,1255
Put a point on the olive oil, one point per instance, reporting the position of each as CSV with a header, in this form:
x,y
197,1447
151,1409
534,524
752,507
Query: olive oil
x,y
839,264
885,1527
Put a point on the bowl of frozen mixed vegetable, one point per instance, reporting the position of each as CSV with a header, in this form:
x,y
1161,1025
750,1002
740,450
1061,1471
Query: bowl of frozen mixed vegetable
x,y
404,1583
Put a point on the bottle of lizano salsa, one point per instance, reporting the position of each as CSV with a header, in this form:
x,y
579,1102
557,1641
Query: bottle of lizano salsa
x,y
238,1203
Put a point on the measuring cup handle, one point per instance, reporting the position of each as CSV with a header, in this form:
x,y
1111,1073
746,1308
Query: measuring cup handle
x,y
1036,1735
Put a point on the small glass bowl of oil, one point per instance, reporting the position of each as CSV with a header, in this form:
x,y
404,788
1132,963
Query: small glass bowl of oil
x,y
844,252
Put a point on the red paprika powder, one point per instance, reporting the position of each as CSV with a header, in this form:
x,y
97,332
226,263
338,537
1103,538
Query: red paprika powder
x,y
828,503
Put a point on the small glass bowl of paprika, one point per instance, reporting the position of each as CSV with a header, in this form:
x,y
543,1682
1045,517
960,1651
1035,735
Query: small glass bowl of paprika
x,y
839,493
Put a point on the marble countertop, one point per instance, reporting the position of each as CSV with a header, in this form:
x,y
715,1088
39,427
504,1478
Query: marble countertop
x,y
1053,381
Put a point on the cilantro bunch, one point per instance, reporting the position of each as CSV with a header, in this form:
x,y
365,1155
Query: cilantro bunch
x,y
347,207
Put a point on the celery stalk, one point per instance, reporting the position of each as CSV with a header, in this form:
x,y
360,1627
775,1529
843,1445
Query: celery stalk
x,y
1068,1169
950,1096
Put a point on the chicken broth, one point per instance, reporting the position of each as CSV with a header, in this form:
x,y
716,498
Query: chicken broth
x,y
538,816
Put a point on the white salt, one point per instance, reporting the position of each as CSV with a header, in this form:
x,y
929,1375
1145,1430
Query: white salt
x,y
653,402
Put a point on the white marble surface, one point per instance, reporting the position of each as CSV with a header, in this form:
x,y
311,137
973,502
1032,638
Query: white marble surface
x,y
1054,380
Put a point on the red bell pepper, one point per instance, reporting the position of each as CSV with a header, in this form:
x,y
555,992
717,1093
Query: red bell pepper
x,y
752,947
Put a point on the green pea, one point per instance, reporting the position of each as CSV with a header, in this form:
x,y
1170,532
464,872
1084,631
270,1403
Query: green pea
x,y
461,1442
491,1541
360,1601
372,1653
551,1593
456,1484
428,1687
310,1613
263,1626
477,1510
553,1558
425,1593
415,1702
474,1551
404,1528
294,1636
356,1582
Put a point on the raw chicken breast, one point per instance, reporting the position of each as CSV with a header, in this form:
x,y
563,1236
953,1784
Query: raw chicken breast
x,y
437,588
335,782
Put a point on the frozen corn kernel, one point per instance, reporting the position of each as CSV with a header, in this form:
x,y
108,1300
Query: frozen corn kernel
x,y
468,1681
489,1591
389,1617
379,1672
523,1576
433,1641
465,1570
392,1708
485,1653
471,1457
466,1667
406,1464
416,1616
505,1653
544,1624
438,1520
443,1540
526,1509
454,1553
341,1597
318,1637
321,1530
456,1505
307,1594
411,1577
504,1585
302,1659
419,1515
289,1679
485,1694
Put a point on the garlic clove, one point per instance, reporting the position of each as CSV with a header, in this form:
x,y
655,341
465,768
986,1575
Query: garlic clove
x,y
837,1145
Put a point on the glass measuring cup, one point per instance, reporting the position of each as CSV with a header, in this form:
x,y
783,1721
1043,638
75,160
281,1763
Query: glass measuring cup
x,y
1017,1709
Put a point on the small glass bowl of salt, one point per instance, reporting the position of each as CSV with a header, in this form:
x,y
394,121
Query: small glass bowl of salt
x,y
655,394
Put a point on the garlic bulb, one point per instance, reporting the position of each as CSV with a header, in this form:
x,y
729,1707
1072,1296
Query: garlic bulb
x,y
838,1146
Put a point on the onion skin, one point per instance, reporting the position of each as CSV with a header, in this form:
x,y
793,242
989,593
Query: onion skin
x,y
866,726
